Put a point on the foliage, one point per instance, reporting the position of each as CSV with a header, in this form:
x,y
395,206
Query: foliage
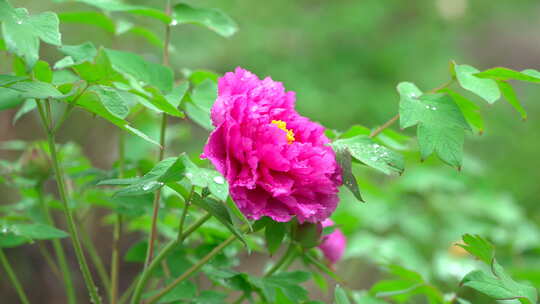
x,y
183,202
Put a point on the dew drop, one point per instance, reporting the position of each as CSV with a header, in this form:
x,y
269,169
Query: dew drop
x,y
427,107
219,180
434,108
150,185
189,175
5,230
174,22
19,21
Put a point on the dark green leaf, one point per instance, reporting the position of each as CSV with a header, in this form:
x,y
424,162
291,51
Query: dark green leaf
x,y
485,88
118,6
37,90
211,18
343,157
37,231
274,234
136,253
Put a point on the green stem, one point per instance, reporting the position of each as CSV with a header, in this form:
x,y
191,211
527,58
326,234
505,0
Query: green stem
x,y
95,258
184,214
192,270
58,250
141,283
115,256
47,124
13,277
68,110
49,259
291,251
153,231
115,259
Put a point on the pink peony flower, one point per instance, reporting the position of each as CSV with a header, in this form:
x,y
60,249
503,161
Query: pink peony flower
x,y
333,245
277,163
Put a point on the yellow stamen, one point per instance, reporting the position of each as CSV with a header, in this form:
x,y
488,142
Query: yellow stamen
x,y
283,126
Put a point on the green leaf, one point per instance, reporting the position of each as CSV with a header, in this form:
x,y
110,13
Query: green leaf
x,y
100,71
285,282
343,157
478,247
90,102
210,297
500,285
177,94
199,106
43,72
162,103
213,19
80,53
220,212
198,76
185,291
27,106
118,6
9,98
504,74
143,71
274,234
470,110
510,95
308,235
441,125
90,18
340,296
37,90
145,33
6,80
37,231
485,88
111,100
136,253
201,177
372,154
23,32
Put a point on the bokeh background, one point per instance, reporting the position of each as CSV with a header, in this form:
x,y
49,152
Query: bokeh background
x,y
344,58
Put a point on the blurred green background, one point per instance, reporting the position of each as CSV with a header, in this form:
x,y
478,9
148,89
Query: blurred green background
x,y
344,58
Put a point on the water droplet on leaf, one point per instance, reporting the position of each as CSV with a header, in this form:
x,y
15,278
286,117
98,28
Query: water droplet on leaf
x,y
219,180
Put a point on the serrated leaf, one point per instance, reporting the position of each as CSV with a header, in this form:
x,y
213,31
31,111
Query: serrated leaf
x,y
441,125
100,71
500,285
213,19
470,110
343,158
504,74
485,88
22,32
90,18
143,71
340,296
478,247
378,157
510,95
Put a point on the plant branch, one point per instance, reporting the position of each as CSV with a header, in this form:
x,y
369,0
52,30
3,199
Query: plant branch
x,y
117,230
192,270
13,277
289,253
47,123
58,249
68,110
141,282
